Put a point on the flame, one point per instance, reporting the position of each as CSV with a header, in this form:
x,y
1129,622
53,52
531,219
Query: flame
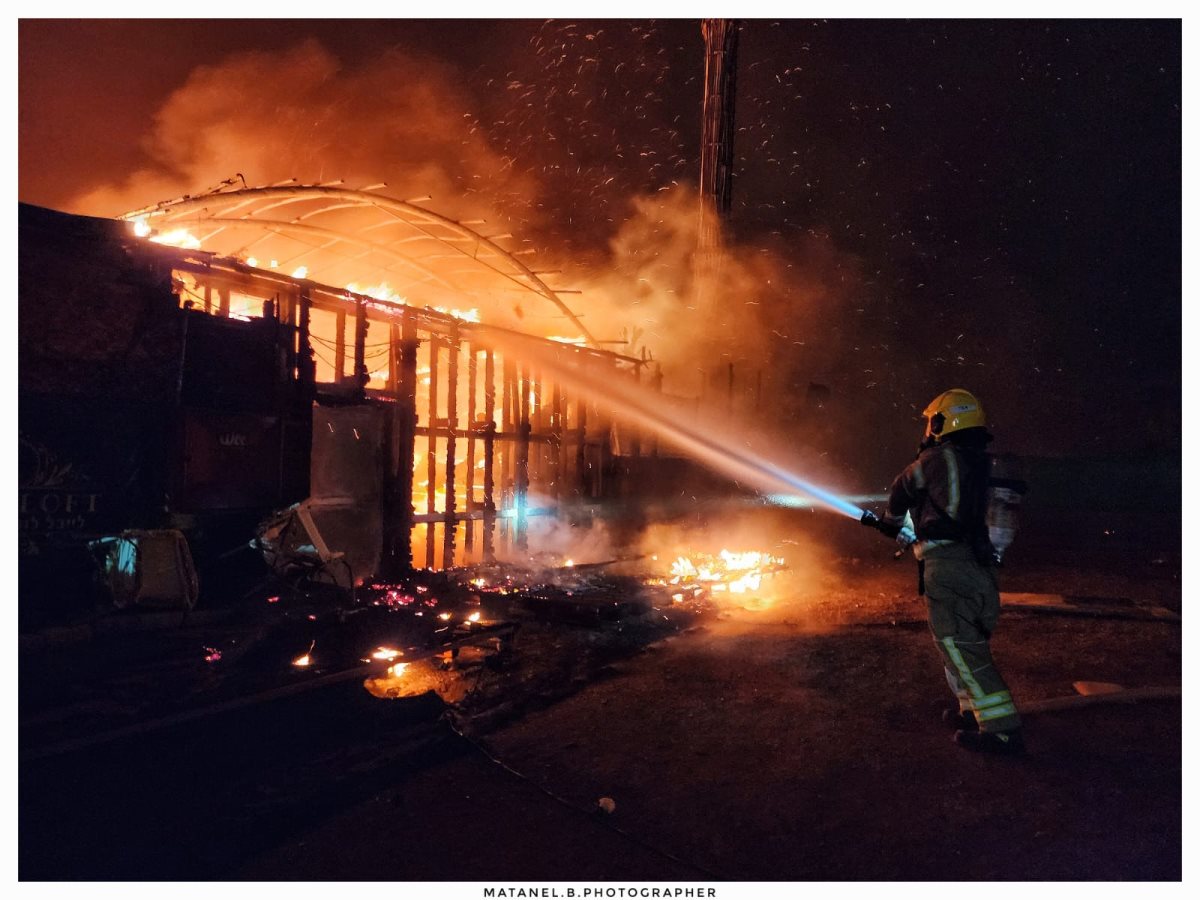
x,y
306,659
727,572
386,653
178,237
388,685
381,291
467,315
182,238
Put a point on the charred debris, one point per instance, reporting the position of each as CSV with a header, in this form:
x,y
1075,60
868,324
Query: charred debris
x,y
280,485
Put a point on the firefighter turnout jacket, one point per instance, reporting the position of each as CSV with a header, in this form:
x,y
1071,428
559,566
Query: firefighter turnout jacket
x,y
944,490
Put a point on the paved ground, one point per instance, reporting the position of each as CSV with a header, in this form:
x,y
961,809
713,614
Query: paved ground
x,y
801,742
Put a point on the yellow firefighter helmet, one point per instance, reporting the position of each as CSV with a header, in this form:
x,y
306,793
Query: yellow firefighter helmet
x,y
952,411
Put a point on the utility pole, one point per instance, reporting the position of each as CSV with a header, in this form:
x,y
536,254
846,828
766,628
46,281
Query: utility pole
x,y
716,181
716,140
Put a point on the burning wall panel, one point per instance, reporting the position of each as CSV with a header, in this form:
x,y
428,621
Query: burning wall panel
x,y
474,442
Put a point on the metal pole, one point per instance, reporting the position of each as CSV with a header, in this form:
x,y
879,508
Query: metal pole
x,y
716,150
431,454
360,346
472,379
308,362
489,455
451,524
339,351
556,446
522,473
720,96
396,556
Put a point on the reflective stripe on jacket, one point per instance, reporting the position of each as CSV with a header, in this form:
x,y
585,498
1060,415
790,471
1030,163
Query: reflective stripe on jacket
x,y
943,489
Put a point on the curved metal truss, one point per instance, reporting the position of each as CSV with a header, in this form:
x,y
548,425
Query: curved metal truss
x,y
344,237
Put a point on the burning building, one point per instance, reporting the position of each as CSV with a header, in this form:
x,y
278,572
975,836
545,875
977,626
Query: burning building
x,y
211,359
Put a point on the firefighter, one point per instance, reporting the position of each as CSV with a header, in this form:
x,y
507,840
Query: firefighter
x,y
942,497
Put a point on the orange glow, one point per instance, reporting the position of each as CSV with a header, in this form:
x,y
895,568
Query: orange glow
x,y
386,653
727,572
178,237
306,660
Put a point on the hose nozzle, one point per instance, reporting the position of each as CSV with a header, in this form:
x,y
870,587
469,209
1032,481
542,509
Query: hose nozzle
x,y
873,521
902,534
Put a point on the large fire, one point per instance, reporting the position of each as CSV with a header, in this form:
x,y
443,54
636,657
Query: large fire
x,y
431,261
184,239
699,575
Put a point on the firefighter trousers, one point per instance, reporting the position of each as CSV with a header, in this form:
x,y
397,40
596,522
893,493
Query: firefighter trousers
x,y
964,605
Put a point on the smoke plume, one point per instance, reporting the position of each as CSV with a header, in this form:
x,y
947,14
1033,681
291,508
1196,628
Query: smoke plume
x,y
772,326
301,113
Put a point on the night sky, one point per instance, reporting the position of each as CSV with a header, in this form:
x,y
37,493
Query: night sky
x,y
1004,197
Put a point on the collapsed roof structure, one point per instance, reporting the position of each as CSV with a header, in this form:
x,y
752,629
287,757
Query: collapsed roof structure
x,y
391,371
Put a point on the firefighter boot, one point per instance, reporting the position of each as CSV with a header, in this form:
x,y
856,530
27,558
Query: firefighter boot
x,y
957,720
1002,743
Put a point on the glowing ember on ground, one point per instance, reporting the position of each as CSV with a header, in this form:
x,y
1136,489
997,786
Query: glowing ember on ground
x,y
386,653
393,684
305,660
393,597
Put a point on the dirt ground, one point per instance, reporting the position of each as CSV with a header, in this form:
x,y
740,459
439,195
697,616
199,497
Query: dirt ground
x,y
797,743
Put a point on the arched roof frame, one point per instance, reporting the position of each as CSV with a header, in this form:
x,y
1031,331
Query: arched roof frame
x,y
243,208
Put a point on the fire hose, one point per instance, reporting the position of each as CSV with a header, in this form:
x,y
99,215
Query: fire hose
x,y
450,720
